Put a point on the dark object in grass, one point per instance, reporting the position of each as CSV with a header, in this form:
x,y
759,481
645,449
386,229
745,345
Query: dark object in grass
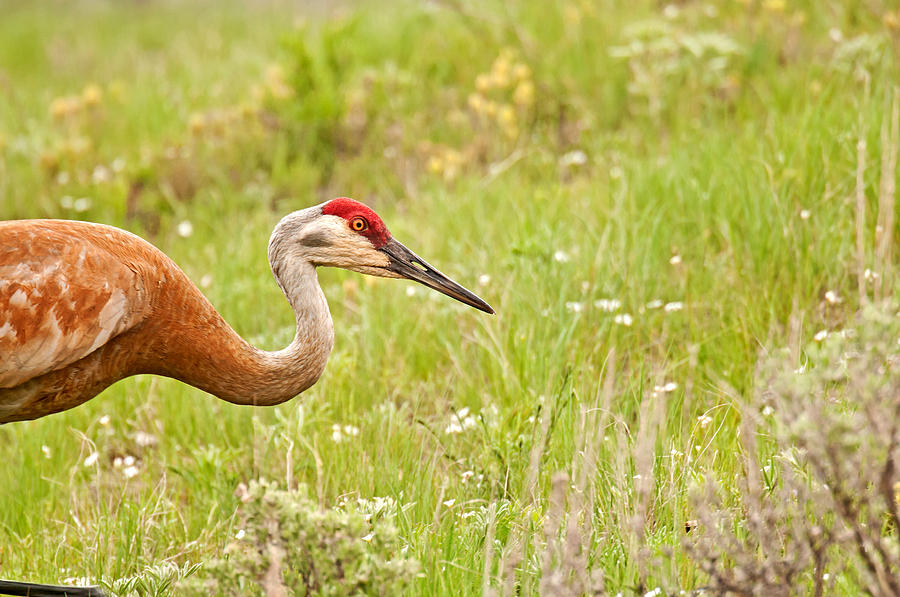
x,y
8,587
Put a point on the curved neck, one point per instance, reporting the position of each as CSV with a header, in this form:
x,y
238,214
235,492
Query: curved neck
x,y
282,374
225,365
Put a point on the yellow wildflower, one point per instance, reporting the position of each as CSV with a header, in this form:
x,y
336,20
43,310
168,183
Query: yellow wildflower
x,y
524,93
476,102
506,116
92,95
521,71
891,20
197,122
62,107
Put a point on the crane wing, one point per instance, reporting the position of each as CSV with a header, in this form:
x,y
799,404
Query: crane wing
x,y
63,293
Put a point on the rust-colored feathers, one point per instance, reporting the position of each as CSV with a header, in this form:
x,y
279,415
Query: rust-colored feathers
x,y
83,305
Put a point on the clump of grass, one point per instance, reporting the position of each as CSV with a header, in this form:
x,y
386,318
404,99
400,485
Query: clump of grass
x,y
818,502
288,545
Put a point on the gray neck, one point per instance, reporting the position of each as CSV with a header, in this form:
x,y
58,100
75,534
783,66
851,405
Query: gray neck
x,y
303,361
300,364
230,368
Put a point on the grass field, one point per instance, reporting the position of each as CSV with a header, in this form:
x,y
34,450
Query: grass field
x,y
655,195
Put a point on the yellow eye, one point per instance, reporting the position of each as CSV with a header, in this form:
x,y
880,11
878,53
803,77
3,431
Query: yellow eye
x,y
359,224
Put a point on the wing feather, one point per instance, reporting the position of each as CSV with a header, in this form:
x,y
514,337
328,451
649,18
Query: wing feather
x,y
62,295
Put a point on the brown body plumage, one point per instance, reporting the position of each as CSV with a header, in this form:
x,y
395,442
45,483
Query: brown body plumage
x,y
84,305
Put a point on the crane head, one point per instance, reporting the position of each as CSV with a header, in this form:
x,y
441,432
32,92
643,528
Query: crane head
x,y
345,233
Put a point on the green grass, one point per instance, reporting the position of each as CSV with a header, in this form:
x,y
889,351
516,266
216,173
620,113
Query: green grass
x,y
711,156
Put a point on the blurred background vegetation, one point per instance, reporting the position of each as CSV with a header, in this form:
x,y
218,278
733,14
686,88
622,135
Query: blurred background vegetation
x,y
675,183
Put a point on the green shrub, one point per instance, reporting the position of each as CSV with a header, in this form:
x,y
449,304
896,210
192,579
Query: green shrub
x,y
288,545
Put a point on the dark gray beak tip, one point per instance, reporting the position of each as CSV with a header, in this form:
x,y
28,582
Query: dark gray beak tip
x,y
486,308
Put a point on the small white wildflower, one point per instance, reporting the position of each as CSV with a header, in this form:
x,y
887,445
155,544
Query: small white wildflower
x,y
826,576
100,175
104,420
673,306
449,503
820,335
336,434
561,256
804,214
144,439
768,411
835,35
654,304
623,319
91,460
870,275
369,537
206,281
675,259
573,158
66,202
469,514
46,450
240,534
351,430
81,204
128,461
608,305
117,462
410,290
704,421
460,421
185,228
637,477
654,593
676,453
466,475
484,280
574,307
833,298
800,370
130,471
670,387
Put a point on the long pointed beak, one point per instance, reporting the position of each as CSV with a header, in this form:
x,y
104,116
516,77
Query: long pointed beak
x,y
407,264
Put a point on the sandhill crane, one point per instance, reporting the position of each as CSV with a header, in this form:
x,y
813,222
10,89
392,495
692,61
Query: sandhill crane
x,y
84,305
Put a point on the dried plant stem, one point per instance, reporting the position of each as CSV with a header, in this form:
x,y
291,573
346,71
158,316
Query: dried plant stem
x,y
489,551
884,230
861,219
